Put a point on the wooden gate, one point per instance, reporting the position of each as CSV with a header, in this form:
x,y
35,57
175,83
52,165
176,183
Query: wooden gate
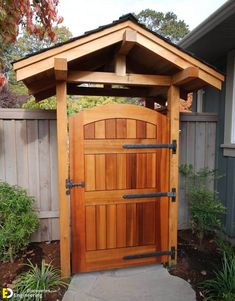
x,y
117,219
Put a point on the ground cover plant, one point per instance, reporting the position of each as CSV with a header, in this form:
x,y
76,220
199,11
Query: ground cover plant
x,y
39,280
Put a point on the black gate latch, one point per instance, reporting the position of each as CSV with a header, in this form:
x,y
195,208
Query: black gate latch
x,y
69,184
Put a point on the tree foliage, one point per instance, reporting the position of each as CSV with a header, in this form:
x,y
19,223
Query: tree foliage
x,y
14,93
166,24
27,44
37,17
78,104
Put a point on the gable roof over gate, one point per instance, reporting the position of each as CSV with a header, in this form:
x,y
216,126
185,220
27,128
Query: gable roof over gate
x,y
145,53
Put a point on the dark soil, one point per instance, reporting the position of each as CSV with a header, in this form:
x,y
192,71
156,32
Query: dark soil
x,y
35,253
196,263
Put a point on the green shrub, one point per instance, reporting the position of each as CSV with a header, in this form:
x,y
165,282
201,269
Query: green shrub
x,y
204,206
38,279
17,220
222,286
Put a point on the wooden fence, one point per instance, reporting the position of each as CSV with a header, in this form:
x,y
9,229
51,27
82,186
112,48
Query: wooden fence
x,y
28,158
197,147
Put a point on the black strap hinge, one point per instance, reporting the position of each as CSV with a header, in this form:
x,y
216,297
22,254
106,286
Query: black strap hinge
x,y
69,185
172,146
171,253
171,195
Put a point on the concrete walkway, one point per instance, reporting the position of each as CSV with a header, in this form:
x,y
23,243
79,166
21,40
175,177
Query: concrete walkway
x,y
146,283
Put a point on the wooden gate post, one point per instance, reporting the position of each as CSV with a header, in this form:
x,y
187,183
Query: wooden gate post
x,y
173,115
60,67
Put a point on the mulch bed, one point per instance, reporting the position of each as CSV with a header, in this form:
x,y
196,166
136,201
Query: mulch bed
x,y
195,263
35,253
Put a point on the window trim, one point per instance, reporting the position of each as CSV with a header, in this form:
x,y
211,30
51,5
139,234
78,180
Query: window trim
x,y
229,122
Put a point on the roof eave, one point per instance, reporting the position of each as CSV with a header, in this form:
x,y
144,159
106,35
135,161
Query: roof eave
x,y
210,23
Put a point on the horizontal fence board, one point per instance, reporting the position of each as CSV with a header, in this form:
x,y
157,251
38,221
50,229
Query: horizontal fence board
x,y
28,158
27,114
204,117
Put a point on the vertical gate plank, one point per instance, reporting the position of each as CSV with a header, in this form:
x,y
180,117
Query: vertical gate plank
x,y
131,225
100,129
131,171
140,129
111,171
100,172
121,171
131,128
151,131
139,224
111,226
90,172
90,228
141,170
89,131
121,128
151,170
101,227
110,128
149,224
121,225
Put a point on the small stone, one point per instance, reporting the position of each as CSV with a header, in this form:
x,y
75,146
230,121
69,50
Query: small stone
x,y
29,252
204,273
189,281
201,294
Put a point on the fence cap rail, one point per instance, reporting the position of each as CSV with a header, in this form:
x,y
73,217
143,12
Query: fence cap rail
x,y
203,117
27,114
51,114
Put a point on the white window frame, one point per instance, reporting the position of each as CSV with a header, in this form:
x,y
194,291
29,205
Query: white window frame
x,y
229,118
233,107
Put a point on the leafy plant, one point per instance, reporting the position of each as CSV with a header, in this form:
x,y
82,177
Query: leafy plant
x,y
204,205
224,247
38,280
17,220
222,286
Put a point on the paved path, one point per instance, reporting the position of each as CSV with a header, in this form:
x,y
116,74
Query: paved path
x,y
147,283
